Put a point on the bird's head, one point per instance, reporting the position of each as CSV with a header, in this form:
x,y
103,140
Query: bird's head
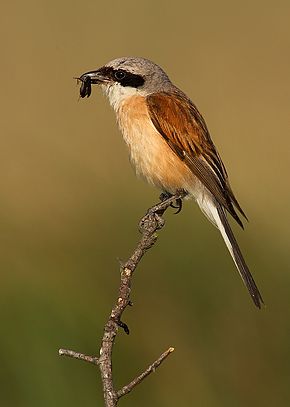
x,y
125,77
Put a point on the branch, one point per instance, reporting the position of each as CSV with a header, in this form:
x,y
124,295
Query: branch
x,y
148,226
126,389
78,355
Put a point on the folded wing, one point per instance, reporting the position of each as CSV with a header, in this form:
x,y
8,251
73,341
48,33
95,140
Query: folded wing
x,y
179,122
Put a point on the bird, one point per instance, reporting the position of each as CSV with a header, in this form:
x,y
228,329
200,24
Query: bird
x,y
170,145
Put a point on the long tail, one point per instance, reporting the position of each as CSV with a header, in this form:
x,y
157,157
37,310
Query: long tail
x,y
216,214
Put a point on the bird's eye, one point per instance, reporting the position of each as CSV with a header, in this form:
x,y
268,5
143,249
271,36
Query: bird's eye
x,y
119,75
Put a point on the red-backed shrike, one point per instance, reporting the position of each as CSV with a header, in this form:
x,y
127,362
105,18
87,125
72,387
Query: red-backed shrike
x,y
169,143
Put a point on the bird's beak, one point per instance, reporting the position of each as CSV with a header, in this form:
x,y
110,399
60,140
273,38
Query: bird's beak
x,y
95,77
89,78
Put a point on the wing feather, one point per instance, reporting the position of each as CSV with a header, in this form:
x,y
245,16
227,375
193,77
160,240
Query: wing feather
x,y
179,122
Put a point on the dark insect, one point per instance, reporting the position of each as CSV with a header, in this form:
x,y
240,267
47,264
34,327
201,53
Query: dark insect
x,y
86,86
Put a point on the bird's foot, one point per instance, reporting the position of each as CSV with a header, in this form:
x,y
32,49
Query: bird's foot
x,y
164,196
178,202
155,213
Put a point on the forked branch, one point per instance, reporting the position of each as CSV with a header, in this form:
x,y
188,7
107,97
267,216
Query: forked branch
x,y
148,226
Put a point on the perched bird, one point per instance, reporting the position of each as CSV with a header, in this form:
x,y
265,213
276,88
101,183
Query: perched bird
x,y
170,145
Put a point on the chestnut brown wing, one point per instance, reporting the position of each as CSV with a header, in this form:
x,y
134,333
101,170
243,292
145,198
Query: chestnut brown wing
x,y
179,122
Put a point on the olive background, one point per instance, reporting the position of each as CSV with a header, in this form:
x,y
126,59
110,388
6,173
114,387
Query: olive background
x,y
70,204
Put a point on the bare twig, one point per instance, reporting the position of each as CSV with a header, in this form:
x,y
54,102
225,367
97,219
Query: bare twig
x,y
148,227
78,355
126,389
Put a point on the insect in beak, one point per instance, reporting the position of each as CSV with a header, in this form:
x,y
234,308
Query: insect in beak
x,y
86,85
89,78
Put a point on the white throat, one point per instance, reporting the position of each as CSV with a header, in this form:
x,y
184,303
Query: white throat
x,y
117,93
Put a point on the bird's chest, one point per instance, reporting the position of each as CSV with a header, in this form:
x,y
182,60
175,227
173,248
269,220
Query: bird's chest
x,y
145,144
150,154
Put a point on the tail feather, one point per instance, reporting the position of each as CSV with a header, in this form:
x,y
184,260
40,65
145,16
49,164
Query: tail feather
x,y
216,214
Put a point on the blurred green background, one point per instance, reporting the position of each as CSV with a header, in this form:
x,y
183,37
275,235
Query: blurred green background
x,y
70,204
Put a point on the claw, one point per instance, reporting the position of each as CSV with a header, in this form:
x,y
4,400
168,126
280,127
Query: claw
x,y
178,206
178,203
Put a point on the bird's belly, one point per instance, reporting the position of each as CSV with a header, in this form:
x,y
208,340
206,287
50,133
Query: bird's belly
x,y
150,154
